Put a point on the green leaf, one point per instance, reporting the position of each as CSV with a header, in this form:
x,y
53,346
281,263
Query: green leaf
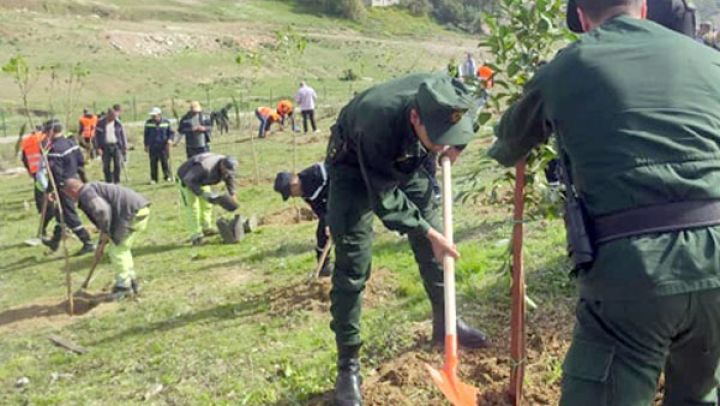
x,y
483,118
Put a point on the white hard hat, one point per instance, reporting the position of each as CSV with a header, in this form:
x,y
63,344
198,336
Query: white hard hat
x,y
155,111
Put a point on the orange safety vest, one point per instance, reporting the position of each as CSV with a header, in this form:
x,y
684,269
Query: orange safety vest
x,y
32,150
268,113
285,107
485,73
88,125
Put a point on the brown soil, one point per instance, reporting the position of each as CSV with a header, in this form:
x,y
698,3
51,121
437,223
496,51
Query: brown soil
x,y
166,42
288,216
51,313
404,380
314,296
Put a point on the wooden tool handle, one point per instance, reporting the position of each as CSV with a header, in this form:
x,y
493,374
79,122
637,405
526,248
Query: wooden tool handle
x,y
448,261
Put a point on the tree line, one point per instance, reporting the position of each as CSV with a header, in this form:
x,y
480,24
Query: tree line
x,y
461,14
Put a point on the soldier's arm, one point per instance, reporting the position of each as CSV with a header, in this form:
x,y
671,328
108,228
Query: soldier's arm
x,y
388,201
521,128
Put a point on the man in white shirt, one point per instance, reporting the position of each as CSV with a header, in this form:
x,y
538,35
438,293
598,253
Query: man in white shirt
x,y
306,98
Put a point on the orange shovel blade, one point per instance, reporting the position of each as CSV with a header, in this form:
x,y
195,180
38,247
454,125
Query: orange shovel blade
x,y
456,392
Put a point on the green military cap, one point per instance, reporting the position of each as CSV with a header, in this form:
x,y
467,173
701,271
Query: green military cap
x,y
446,109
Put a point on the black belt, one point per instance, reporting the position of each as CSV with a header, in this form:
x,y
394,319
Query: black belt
x,y
659,218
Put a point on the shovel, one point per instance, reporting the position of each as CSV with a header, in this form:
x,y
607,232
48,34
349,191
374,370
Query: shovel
x,y
326,251
99,251
458,393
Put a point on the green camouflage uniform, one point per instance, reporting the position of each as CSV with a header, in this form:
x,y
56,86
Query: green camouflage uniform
x,y
635,107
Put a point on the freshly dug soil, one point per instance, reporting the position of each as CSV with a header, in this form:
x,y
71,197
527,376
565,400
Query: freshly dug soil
x,y
288,216
314,296
50,313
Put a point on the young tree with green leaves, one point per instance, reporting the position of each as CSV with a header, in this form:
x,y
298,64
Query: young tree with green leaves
x,y
522,37
25,78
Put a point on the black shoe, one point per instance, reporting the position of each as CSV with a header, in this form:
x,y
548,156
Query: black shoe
x,y
467,336
87,248
51,243
348,381
119,293
327,270
135,286
197,240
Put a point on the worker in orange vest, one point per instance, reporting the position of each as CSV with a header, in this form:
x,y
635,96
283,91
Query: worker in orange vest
x,y
485,74
267,117
86,130
285,109
32,152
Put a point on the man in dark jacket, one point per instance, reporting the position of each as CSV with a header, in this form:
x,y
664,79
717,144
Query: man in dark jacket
x,y
66,161
157,139
111,144
119,213
196,127
195,177
312,185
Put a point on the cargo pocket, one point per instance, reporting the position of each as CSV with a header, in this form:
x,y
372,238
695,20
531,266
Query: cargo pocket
x,y
586,374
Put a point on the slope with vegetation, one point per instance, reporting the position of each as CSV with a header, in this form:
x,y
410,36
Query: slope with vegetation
x,y
240,324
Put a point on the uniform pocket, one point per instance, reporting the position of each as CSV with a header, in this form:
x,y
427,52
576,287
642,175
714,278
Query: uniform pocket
x,y
589,361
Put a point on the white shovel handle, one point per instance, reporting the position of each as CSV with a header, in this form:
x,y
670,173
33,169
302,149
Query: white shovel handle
x,y
448,261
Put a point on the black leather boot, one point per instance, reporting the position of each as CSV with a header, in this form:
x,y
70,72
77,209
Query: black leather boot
x,y
347,383
467,336
54,242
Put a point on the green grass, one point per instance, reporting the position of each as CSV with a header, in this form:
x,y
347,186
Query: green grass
x,y
206,326
388,43
209,326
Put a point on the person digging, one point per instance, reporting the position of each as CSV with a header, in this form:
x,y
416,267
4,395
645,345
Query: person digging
x,y
195,177
312,185
375,163
120,213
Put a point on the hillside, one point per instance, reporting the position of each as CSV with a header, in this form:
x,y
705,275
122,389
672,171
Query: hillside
x,y
142,54
241,324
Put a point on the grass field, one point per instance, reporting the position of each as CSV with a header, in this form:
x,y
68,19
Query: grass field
x,y
144,55
239,324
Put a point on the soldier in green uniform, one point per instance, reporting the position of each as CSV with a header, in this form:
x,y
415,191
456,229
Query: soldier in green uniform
x,y
376,164
634,108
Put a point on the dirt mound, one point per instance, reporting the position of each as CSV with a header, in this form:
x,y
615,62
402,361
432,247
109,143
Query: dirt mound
x,y
288,216
315,295
404,380
166,43
50,313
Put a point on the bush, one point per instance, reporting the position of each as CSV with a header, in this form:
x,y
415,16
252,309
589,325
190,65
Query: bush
x,y
350,9
349,76
418,8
